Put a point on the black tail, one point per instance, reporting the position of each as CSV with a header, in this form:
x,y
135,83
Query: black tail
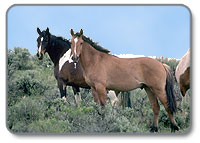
x,y
169,88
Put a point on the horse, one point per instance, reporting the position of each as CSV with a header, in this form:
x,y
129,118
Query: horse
x,y
103,71
113,98
65,72
183,73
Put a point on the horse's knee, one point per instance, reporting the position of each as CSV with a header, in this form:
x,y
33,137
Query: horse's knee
x,y
102,98
101,91
94,93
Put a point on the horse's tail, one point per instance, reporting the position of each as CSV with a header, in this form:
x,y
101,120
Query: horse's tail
x,y
169,88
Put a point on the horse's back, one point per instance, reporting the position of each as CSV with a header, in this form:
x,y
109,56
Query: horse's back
x,y
183,66
131,73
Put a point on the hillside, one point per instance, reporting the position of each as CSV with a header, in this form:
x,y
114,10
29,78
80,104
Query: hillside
x,y
34,104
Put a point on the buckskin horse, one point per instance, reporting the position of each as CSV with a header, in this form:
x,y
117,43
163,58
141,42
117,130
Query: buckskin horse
x,y
183,73
103,71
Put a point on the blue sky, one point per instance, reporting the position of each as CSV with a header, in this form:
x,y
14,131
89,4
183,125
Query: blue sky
x,y
134,29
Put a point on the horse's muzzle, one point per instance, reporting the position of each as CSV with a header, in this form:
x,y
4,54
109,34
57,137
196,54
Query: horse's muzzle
x,y
40,56
75,59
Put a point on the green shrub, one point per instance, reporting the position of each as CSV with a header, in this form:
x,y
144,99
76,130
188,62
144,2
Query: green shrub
x,y
25,83
23,113
50,126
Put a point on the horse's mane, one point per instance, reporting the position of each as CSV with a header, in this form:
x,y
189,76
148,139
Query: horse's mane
x,y
93,44
59,38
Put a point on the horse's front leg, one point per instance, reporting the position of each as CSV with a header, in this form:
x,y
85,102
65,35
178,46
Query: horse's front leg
x,y
77,95
96,92
95,95
101,92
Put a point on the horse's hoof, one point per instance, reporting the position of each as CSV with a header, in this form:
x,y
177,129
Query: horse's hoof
x,y
154,129
174,128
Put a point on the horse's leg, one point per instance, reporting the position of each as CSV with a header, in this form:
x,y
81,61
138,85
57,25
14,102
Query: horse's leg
x,y
117,93
184,89
112,97
155,107
101,92
62,88
77,95
119,102
161,94
96,99
95,95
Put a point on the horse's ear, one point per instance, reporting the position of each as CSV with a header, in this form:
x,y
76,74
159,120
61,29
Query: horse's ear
x,y
72,32
81,32
47,31
38,31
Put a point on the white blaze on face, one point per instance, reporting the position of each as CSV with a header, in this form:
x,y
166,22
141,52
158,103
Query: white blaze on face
x,y
40,48
66,57
75,41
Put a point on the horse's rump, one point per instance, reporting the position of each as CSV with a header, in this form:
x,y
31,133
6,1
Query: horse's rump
x,y
169,88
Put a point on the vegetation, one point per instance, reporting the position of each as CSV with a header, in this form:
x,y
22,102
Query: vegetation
x,y
34,104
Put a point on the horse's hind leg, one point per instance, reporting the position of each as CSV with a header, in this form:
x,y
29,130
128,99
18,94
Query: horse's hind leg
x,y
62,88
77,95
155,107
163,98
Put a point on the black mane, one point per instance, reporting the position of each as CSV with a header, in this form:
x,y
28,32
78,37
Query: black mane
x,y
93,44
60,40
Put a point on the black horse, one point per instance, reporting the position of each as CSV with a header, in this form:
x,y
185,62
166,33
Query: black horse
x,y
65,71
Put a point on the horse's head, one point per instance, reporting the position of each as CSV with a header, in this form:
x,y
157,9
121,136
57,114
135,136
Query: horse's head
x,y
76,45
42,42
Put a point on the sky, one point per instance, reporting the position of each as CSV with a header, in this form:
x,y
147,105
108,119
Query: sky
x,y
124,29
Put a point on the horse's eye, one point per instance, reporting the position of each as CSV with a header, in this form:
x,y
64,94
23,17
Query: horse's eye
x,y
81,43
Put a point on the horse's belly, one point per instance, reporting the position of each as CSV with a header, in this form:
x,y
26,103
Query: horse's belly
x,y
124,84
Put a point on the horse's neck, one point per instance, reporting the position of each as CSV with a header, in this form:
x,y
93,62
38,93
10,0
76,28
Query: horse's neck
x,y
88,56
56,51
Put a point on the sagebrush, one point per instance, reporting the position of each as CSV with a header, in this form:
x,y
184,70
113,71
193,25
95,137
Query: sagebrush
x,y
34,104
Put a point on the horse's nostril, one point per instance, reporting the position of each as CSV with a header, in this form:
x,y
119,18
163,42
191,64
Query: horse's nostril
x,y
75,58
40,56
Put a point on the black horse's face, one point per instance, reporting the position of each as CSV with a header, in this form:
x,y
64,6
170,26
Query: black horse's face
x,y
42,42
